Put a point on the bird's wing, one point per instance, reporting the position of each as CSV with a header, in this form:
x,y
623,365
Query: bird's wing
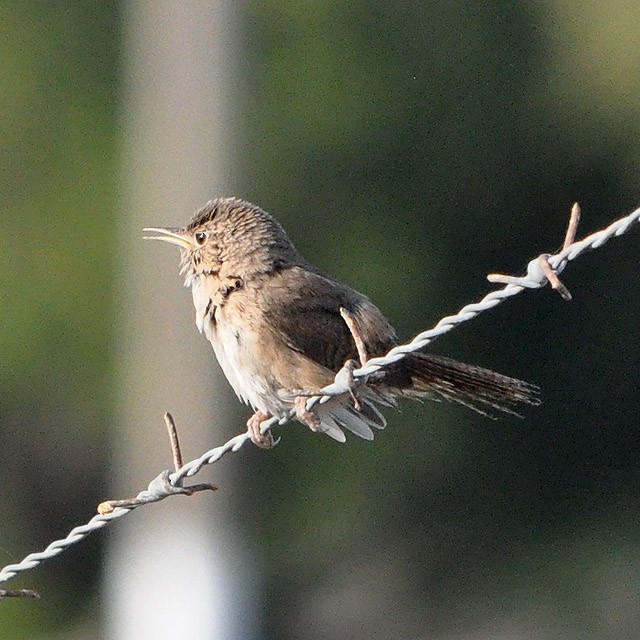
x,y
303,309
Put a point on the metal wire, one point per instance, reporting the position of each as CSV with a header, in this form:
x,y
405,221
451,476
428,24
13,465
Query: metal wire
x,y
167,483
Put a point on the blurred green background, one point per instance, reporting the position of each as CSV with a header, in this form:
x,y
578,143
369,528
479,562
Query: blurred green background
x,y
410,149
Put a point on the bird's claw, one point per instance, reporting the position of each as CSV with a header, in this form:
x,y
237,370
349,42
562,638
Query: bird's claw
x,y
262,440
304,415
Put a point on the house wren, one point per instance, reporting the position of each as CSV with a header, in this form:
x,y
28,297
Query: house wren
x,y
282,328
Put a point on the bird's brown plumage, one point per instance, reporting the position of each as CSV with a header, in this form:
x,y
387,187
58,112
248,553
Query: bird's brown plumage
x,y
277,328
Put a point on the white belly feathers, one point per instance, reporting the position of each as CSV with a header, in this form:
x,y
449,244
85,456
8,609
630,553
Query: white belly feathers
x,y
234,352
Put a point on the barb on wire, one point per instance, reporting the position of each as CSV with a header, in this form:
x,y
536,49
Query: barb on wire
x,y
540,271
550,274
19,593
162,486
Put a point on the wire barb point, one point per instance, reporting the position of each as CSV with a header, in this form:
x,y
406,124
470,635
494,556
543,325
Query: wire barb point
x,y
163,485
572,227
159,488
19,593
553,279
173,439
356,334
540,271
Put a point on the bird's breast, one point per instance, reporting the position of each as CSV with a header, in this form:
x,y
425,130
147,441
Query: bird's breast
x,y
236,344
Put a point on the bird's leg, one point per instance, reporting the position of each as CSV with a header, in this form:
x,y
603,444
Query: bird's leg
x,y
304,415
263,440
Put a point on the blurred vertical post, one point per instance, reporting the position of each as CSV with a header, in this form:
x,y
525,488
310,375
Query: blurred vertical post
x,y
174,570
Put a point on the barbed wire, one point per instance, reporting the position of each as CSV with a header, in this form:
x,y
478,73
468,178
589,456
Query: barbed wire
x,y
540,271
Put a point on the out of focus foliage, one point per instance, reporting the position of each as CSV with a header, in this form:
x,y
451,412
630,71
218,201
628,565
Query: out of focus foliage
x,y
58,106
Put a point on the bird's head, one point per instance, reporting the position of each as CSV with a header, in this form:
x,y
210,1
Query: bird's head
x,y
232,234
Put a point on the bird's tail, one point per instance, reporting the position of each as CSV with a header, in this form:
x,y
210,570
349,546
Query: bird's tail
x,y
480,389
423,375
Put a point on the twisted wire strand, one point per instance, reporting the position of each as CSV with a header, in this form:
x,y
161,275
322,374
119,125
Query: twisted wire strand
x,y
167,483
535,279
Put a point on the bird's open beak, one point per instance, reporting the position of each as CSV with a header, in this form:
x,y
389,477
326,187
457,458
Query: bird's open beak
x,y
172,235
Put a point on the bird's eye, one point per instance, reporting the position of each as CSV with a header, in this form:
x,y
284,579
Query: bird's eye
x,y
200,237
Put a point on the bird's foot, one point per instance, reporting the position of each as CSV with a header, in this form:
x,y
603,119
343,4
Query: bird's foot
x,y
304,415
262,440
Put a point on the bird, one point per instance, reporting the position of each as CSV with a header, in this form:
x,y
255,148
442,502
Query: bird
x,y
282,329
